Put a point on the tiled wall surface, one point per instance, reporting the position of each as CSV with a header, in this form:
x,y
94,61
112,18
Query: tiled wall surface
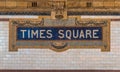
x,y
70,59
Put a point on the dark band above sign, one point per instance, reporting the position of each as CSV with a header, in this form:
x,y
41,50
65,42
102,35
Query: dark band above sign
x,y
59,33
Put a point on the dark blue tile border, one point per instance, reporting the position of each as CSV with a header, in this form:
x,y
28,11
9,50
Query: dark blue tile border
x,y
93,13
69,13
24,13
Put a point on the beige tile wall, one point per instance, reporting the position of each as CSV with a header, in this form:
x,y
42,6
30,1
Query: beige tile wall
x,y
70,59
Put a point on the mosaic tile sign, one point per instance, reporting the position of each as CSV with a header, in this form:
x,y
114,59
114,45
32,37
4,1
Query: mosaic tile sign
x,y
44,32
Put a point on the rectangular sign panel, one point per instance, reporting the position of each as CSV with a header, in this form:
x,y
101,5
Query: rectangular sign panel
x,y
59,33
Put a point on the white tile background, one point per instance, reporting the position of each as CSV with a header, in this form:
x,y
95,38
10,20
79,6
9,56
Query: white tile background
x,y
70,59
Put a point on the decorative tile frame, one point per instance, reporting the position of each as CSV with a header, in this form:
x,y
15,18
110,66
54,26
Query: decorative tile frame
x,y
60,46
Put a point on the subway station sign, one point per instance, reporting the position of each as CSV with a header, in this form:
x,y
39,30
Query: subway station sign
x,y
60,29
59,35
